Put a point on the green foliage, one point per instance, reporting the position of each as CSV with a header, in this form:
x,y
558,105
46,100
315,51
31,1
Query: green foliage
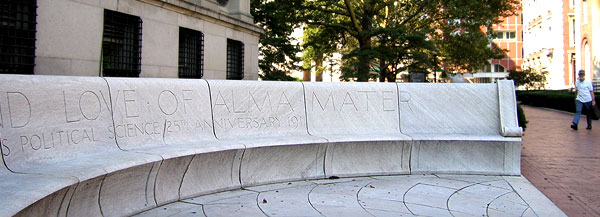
x,y
528,79
396,35
390,35
278,75
559,100
276,48
467,52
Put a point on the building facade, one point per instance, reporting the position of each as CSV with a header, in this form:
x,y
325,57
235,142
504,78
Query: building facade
x,y
213,39
559,39
546,37
507,36
587,38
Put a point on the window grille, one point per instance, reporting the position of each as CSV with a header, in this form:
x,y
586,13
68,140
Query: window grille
x,y
191,53
235,60
17,36
121,45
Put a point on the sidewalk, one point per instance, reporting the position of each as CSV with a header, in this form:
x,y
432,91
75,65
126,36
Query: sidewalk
x,y
562,163
385,196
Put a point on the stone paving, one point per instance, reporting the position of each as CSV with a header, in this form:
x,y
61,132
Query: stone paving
x,y
563,163
405,195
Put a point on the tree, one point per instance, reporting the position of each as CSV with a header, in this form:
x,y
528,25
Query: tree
x,y
276,48
388,36
316,47
396,35
347,18
528,79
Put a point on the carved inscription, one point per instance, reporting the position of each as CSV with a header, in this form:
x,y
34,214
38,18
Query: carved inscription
x,y
175,107
89,106
150,128
362,100
405,97
267,103
134,130
5,149
79,107
53,139
18,118
248,109
259,122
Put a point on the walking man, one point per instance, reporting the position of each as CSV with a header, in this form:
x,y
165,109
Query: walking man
x,y
584,92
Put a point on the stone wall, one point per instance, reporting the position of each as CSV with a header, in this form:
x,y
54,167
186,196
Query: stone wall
x,y
69,35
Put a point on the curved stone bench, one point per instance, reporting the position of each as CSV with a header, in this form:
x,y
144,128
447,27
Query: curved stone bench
x,y
462,128
84,146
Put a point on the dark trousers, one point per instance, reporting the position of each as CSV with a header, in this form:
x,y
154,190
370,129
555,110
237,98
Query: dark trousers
x,y
578,108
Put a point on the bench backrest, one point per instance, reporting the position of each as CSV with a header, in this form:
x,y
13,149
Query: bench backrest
x,y
509,121
44,118
352,108
449,108
257,109
151,112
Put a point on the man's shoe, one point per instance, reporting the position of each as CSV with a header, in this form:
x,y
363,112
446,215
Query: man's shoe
x,y
588,128
574,126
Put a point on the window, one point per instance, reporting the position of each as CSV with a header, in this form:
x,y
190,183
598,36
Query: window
x,y
121,45
235,60
191,51
498,68
505,35
489,67
572,27
17,36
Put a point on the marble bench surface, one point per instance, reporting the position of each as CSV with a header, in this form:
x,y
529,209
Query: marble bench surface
x,y
407,195
72,136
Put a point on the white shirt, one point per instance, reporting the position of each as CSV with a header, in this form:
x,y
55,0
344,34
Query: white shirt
x,y
583,90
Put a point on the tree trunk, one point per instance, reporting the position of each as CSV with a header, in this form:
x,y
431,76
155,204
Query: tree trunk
x,y
391,77
382,70
363,61
319,69
306,75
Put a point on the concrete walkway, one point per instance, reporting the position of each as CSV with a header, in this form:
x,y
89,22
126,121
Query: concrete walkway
x,y
562,163
408,195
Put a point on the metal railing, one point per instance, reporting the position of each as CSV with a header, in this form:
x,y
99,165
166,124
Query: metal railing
x,y
191,53
121,45
235,60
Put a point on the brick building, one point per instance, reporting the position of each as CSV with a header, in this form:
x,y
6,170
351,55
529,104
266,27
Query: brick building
x,y
559,36
507,36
